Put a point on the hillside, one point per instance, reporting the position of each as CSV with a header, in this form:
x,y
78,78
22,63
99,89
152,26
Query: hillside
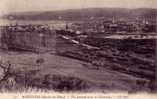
x,y
83,14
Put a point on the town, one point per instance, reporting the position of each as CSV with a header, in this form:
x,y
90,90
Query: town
x,y
126,47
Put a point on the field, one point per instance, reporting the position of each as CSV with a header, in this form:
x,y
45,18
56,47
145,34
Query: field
x,y
66,75
93,64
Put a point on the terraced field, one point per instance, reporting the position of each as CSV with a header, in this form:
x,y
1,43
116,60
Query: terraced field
x,y
132,57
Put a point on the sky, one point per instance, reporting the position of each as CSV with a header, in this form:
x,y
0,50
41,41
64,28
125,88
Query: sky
x,y
7,6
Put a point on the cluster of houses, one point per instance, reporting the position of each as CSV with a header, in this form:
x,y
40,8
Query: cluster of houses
x,y
35,36
117,26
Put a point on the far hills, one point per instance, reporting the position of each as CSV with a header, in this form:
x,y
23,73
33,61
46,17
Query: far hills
x,y
84,14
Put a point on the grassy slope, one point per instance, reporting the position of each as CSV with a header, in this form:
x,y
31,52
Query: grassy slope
x,y
56,65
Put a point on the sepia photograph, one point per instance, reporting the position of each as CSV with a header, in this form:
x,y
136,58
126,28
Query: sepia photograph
x,y
78,46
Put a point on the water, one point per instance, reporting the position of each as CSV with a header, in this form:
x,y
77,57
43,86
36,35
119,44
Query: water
x,y
52,23
26,22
